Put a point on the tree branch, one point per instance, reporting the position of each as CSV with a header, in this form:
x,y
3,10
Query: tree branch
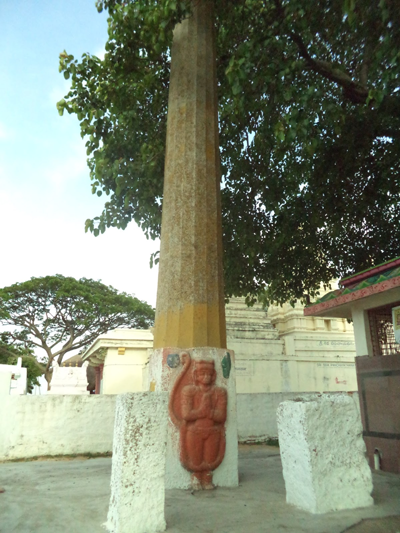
x,y
356,92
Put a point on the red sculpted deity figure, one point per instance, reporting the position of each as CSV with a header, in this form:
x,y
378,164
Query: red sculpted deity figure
x,y
198,408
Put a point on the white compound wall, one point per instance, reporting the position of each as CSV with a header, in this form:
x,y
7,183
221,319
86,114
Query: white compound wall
x,y
32,426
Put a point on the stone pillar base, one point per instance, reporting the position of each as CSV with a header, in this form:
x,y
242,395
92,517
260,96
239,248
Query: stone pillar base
x,y
323,454
138,464
164,368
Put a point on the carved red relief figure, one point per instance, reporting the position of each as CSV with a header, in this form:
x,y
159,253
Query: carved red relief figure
x,y
199,409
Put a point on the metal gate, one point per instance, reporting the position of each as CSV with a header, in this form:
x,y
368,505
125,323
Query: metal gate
x,y
379,389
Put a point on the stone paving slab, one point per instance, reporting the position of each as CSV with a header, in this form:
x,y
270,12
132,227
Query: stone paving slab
x,y
390,524
72,497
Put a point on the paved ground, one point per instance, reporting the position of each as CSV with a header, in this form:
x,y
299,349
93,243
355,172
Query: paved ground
x,y
389,524
72,497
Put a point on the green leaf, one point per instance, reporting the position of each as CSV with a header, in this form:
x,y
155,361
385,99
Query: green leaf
x,y
236,88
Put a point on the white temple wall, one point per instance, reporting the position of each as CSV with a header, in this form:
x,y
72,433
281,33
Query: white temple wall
x,y
33,426
123,373
256,414
297,376
278,351
284,351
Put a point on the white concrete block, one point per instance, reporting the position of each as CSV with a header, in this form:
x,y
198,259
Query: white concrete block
x,y
323,454
138,464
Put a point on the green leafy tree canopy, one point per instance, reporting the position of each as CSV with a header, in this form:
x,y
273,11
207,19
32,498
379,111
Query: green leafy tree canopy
x,y
59,314
309,113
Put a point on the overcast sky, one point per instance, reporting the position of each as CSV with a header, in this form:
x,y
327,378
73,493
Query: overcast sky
x,y
45,194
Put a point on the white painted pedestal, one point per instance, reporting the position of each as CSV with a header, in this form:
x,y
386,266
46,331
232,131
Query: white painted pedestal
x,y
138,464
161,378
323,453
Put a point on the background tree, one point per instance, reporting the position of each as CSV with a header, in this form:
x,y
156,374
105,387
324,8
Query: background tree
x,y
309,105
9,353
59,314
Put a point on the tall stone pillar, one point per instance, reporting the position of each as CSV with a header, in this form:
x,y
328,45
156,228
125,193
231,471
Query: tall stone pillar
x,y
190,300
190,359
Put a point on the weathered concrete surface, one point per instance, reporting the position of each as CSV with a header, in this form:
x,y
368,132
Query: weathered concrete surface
x,y
190,299
73,496
390,524
138,464
44,425
31,426
323,453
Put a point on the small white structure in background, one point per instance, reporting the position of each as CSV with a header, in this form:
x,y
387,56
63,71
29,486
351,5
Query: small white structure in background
x,y
120,359
69,379
13,379
323,453
138,464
